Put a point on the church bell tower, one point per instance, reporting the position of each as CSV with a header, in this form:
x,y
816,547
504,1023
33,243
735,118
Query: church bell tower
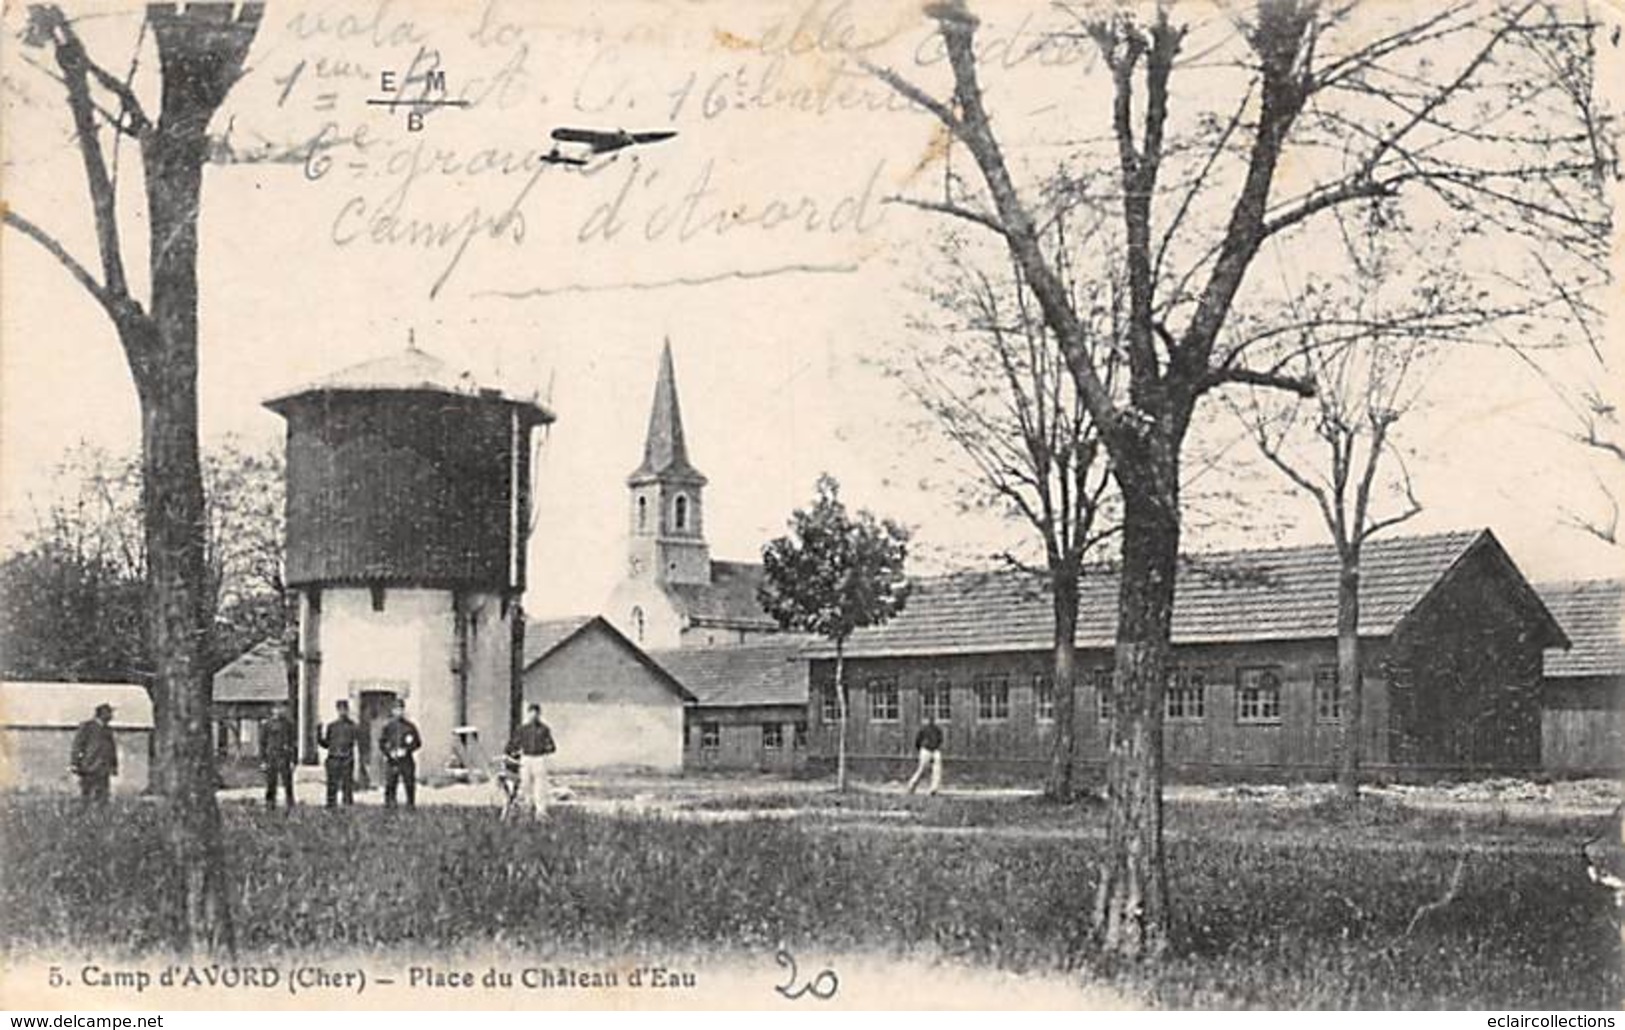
x,y
667,530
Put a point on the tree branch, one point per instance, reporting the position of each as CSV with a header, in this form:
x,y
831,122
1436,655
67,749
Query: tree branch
x,y
1254,377
952,210
58,251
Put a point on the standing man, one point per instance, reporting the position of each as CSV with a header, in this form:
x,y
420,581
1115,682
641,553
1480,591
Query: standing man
x,y
531,744
95,756
397,741
340,738
277,754
929,743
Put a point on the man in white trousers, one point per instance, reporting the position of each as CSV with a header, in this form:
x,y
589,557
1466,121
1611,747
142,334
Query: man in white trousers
x,y
531,744
929,743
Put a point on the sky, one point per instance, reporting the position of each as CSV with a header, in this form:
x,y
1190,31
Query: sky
x,y
758,241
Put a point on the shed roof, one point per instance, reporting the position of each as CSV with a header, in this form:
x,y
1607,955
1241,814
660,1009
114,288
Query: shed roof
x,y
1592,613
728,600
550,635
407,371
740,675
65,705
1283,593
258,674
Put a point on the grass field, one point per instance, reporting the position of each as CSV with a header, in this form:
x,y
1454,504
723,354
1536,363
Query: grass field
x,y
1307,908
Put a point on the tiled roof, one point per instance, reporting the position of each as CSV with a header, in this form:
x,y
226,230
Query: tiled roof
x,y
1592,613
409,370
62,705
543,635
729,600
1269,594
744,674
258,674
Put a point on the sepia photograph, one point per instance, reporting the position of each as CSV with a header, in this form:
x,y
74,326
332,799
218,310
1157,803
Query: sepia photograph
x,y
812,505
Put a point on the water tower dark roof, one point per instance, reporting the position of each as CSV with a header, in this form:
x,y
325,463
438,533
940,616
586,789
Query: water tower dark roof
x,y
407,371
404,471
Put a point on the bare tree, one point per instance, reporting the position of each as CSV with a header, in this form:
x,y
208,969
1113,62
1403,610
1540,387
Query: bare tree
x,y
1365,356
200,52
1447,107
993,382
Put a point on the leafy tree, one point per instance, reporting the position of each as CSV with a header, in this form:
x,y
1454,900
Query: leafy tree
x,y
1230,141
835,573
200,52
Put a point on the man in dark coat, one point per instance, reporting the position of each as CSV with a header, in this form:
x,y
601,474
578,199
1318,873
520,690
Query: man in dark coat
x,y
398,741
277,753
341,738
95,756
530,744
929,743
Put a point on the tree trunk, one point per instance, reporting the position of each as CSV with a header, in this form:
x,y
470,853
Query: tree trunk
x,y
1131,899
165,371
1348,673
1063,752
840,701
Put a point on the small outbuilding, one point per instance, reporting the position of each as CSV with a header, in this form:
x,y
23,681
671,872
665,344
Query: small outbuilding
x,y
1582,726
245,691
608,704
38,722
750,709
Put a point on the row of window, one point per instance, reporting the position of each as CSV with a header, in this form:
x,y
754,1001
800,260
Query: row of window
x,y
1258,697
679,513
772,736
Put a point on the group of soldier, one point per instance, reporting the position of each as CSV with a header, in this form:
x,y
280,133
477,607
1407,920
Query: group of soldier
x,y
94,757
398,742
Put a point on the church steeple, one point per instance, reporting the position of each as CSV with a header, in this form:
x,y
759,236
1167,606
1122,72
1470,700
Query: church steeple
x,y
665,454
667,540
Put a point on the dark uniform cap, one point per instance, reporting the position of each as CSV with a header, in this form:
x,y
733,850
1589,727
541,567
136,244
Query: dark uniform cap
x,y
104,709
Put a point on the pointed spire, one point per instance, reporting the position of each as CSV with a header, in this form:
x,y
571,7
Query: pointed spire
x,y
665,454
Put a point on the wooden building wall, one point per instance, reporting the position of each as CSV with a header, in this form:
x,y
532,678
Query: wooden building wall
x,y
1583,725
1465,672
734,738
1219,741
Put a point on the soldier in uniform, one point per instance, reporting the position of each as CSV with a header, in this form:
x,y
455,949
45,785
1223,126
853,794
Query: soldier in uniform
x,y
929,744
398,740
531,744
340,738
95,756
277,754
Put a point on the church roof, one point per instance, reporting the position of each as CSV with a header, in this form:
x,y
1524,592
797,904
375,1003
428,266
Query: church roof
x,y
665,453
728,600
407,371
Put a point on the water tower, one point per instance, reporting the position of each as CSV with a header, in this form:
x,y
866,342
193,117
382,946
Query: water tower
x,y
407,516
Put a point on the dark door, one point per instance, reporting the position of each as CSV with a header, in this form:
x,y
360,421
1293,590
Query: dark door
x,y
376,706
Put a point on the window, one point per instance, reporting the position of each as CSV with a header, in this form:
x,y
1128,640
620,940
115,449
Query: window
x,y
1044,695
1328,699
643,514
801,736
832,704
883,703
710,736
1259,698
1103,693
772,736
993,698
637,624
936,701
1186,696
688,737
679,513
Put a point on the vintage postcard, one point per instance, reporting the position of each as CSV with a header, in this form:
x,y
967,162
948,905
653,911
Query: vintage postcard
x,y
808,504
